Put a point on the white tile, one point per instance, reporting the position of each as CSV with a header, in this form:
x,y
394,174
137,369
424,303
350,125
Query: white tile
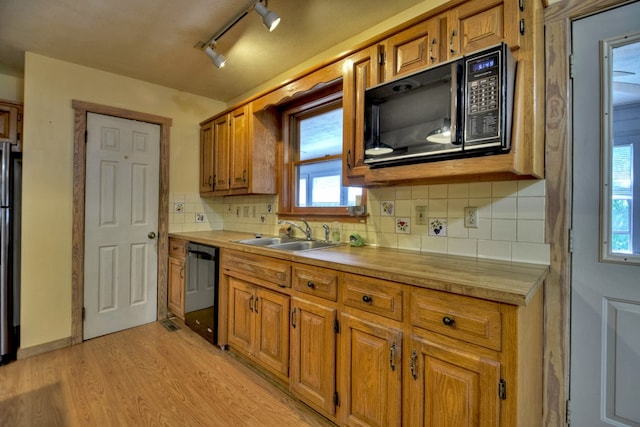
x,y
388,240
438,208
438,191
532,188
434,244
503,229
494,250
531,231
479,189
387,224
537,253
403,208
403,193
409,242
483,231
455,228
455,208
458,191
504,208
504,189
531,208
462,247
420,192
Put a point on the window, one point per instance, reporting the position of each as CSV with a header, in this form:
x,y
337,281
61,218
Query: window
x,y
312,157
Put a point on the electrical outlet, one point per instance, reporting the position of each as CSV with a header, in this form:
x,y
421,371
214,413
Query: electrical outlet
x,y
421,215
471,217
199,217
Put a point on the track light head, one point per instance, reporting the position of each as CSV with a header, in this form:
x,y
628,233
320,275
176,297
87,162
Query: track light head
x,y
269,18
217,58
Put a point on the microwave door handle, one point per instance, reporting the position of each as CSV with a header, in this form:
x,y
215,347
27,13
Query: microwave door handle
x,y
456,108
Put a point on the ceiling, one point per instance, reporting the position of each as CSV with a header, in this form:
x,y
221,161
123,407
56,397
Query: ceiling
x,y
154,40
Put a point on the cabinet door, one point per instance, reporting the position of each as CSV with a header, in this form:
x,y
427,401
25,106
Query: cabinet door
x,y
11,123
221,179
241,315
206,158
239,159
478,24
175,295
313,355
272,330
412,49
362,70
370,373
449,386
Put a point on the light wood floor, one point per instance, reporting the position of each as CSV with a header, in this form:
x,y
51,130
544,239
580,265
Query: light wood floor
x,y
145,376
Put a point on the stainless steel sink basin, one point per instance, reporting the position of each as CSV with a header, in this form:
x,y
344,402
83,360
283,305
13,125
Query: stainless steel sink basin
x,y
287,243
267,241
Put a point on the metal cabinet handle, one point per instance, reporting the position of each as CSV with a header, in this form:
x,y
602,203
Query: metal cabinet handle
x,y
293,317
448,321
182,272
348,159
255,305
414,368
251,303
451,47
392,353
244,176
211,180
311,285
433,42
367,299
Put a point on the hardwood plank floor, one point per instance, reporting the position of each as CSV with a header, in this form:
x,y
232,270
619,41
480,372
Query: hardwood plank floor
x,y
145,376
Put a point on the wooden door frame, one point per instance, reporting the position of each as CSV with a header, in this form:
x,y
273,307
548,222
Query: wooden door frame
x,y
559,157
79,172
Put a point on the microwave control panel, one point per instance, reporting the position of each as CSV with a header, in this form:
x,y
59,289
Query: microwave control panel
x,y
483,101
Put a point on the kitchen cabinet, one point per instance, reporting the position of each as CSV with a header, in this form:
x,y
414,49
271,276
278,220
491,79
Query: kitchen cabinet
x,y
11,123
464,28
361,71
314,323
238,152
259,324
177,266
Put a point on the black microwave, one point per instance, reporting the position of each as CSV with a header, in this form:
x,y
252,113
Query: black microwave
x,y
460,108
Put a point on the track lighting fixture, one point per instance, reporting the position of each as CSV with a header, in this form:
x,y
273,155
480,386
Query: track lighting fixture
x,y
218,59
270,19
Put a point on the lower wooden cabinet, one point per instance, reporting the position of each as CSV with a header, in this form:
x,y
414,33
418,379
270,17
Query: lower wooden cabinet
x,y
313,354
258,324
448,386
177,266
370,373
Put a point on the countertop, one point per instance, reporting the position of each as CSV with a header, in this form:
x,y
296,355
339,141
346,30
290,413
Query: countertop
x,y
502,281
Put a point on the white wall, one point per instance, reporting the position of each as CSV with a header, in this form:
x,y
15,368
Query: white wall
x,y
50,86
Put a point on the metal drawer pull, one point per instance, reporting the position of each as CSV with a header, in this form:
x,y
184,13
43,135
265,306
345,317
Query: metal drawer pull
x,y
251,303
392,353
448,321
293,317
414,369
311,285
255,305
367,299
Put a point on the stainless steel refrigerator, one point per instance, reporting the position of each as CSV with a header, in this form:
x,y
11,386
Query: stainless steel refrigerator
x,y
10,202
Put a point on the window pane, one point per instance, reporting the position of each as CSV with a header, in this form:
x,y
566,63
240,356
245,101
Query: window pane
x,y
321,135
320,185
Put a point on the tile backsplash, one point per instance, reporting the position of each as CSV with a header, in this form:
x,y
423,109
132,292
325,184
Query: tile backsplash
x,y
510,220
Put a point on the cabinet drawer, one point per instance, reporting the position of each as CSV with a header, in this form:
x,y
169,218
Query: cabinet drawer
x,y
316,281
373,295
263,268
177,248
465,318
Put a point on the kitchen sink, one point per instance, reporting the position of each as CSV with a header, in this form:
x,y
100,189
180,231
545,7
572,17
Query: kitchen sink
x,y
287,243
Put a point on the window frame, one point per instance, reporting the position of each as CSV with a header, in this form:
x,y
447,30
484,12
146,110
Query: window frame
x,y
317,102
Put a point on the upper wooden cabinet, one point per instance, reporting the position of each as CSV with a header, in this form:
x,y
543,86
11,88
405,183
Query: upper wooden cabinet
x,y
11,123
238,154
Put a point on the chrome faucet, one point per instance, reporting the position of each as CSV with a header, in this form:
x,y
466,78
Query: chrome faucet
x,y
306,230
326,232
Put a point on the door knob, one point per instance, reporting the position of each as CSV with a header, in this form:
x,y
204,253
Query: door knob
x,y
151,235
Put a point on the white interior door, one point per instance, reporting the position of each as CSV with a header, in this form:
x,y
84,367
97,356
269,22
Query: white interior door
x,y
605,300
121,223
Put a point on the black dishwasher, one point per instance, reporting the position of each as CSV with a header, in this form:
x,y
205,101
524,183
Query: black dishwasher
x,y
201,291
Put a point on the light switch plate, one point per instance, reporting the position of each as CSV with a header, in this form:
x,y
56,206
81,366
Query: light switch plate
x,y
471,217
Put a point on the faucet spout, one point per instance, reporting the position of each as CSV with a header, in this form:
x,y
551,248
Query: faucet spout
x,y
306,230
